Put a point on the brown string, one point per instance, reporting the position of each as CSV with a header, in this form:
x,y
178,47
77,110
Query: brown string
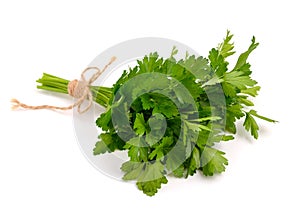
x,y
78,89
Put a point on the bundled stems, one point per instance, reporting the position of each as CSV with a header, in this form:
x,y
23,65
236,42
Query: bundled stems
x,y
101,95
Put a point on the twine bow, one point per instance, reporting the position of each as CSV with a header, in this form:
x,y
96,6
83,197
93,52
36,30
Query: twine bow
x,y
79,89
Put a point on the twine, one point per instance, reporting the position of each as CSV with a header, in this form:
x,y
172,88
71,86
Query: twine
x,y
79,89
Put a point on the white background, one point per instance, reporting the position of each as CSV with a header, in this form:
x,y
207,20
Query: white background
x,y
42,170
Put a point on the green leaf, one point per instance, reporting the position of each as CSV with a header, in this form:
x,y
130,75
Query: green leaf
x,y
104,121
138,149
213,81
132,170
254,113
203,137
194,162
227,137
150,188
212,161
165,106
148,101
176,157
245,101
235,110
239,80
179,172
108,143
217,62
226,47
162,148
245,69
213,118
242,60
151,179
152,171
194,126
150,63
149,176
174,51
233,113
198,67
203,127
139,124
100,148
251,125
252,91
229,90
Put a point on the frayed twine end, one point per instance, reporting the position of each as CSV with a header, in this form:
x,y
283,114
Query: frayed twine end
x,y
15,104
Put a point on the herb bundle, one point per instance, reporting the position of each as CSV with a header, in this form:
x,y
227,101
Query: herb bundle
x,y
169,114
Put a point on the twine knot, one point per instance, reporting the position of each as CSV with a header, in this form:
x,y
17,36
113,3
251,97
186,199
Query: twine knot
x,y
79,89
76,88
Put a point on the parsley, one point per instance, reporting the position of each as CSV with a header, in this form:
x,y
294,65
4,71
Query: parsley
x,y
169,114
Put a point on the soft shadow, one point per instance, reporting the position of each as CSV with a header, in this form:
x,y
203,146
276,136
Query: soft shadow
x,y
55,94
242,133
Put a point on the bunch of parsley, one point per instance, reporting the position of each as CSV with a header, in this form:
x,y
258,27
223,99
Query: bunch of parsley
x,y
188,140
169,114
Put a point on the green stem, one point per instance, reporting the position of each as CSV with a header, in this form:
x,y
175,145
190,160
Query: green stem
x,y
101,95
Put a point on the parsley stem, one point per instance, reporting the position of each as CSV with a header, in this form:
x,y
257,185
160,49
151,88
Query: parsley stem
x,y
101,95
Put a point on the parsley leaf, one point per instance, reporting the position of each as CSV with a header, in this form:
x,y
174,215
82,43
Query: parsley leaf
x,y
226,47
254,113
139,124
150,176
253,91
244,56
251,125
239,80
212,161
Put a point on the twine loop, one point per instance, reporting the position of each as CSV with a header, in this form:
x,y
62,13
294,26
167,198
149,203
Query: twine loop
x,y
79,89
